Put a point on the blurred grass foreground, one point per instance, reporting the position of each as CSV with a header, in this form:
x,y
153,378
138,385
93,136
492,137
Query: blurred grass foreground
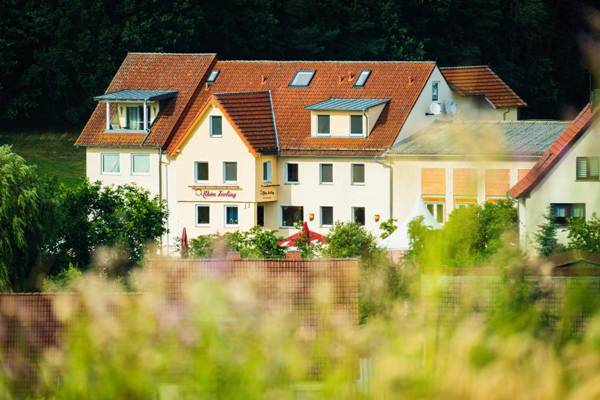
x,y
288,329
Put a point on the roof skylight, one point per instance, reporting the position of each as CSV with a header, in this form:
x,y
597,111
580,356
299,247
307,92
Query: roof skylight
x,y
302,78
362,78
213,75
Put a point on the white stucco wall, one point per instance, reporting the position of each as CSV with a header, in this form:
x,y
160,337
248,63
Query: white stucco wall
x,y
560,186
417,118
342,194
407,181
125,176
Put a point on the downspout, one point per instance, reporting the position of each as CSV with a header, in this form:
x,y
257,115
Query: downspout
x,y
160,153
505,113
391,185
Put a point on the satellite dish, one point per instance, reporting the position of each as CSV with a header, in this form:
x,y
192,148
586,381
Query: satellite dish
x,y
435,108
450,106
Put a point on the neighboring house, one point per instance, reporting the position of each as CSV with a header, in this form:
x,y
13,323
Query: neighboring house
x,y
457,163
566,180
233,144
481,94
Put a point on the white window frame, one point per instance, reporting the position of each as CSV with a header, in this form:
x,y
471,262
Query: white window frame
x,y
352,214
323,225
362,125
225,214
102,172
236,172
435,208
269,171
363,183
196,171
312,73
210,126
281,215
131,166
285,172
317,130
196,209
321,182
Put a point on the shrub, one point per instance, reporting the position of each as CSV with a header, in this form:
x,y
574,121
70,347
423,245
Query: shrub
x,y
388,227
472,235
585,235
255,243
348,239
203,246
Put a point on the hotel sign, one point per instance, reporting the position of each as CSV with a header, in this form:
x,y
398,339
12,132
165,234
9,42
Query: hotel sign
x,y
216,192
267,192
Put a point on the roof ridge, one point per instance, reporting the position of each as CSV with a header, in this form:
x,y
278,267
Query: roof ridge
x,y
241,92
467,66
162,53
333,61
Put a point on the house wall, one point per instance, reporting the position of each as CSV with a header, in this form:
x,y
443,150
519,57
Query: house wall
x,y
94,164
560,186
477,107
342,195
417,119
409,181
185,193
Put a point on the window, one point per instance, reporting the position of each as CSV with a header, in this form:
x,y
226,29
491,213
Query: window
x,y
260,215
267,171
202,215
326,216
358,215
326,173
201,171
563,212
216,125
302,78
110,163
231,215
213,76
229,171
290,215
135,118
362,78
437,211
323,125
291,173
358,174
588,168
356,125
140,164
435,91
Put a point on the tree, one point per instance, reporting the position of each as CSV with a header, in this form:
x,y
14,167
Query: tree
x,y
27,221
388,227
255,243
547,243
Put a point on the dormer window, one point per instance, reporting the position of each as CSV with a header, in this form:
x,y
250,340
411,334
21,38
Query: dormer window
x,y
345,117
362,78
323,125
302,78
356,125
212,77
133,110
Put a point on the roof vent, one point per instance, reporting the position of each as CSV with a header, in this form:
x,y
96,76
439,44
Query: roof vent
x,y
410,81
350,76
263,79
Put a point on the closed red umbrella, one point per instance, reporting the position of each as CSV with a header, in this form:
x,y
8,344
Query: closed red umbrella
x,y
184,244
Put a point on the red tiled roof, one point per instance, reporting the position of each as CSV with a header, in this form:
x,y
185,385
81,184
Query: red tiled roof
x,y
482,81
555,152
251,112
401,82
158,71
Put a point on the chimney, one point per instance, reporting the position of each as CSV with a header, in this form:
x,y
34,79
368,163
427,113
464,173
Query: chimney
x,y
595,98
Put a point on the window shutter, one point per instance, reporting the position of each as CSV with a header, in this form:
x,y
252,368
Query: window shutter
x,y
582,168
433,181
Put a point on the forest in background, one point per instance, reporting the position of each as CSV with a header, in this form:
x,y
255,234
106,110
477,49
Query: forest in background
x,y
56,55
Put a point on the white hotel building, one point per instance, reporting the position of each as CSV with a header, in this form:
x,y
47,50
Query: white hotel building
x,y
233,144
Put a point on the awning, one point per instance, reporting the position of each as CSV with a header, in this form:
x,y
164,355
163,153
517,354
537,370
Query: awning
x,y
314,237
137,95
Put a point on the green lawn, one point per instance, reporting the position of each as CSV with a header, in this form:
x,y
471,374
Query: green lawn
x,y
53,153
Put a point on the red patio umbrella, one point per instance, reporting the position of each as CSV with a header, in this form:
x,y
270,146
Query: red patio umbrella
x,y
314,237
184,244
